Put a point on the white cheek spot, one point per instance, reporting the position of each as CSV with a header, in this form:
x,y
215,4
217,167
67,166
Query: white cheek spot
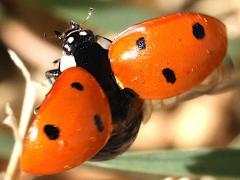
x,y
67,47
70,40
82,33
66,62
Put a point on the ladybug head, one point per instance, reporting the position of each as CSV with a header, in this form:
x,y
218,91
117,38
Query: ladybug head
x,y
75,38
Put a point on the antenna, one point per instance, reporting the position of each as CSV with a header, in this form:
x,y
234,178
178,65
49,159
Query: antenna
x,y
90,12
74,25
58,34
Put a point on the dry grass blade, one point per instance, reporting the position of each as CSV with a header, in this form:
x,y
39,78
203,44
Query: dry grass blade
x,y
10,121
26,113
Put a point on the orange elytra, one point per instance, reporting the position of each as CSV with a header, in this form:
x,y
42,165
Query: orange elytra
x,y
71,126
167,56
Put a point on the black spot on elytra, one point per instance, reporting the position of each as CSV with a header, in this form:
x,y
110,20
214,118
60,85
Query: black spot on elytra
x,y
198,31
141,43
98,122
77,86
51,131
169,75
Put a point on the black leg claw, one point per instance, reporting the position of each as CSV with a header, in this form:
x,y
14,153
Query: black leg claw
x,y
35,111
52,74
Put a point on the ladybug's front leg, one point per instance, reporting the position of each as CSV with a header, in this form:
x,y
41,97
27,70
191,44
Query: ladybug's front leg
x,y
52,75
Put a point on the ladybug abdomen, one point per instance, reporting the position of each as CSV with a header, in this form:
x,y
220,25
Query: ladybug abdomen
x,y
127,119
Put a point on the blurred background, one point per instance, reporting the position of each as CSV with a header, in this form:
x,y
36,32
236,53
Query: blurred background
x,y
27,27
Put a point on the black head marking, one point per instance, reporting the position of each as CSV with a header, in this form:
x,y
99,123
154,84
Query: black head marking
x,y
198,31
77,86
141,43
169,75
51,131
98,122
80,40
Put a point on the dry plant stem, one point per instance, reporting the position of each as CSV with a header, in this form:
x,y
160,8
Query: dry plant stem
x,y
27,108
10,121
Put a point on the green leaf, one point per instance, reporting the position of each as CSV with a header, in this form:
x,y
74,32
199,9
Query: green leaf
x,y
6,143
108,16
218,162
233,50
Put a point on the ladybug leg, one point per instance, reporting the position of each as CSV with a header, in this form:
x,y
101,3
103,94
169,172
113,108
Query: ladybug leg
x,y
218,80
52,74
147,110
226,69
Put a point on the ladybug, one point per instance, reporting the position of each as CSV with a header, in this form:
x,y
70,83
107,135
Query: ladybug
x,y
58,123
156,59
